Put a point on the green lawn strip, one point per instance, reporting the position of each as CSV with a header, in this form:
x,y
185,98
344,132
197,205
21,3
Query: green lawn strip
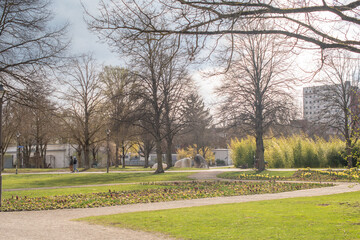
x,y
167,191
44,170
129,168
325,217
186,169
35,170
70,191
55,180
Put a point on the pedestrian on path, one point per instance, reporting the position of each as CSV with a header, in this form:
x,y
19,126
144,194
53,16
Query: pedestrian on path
x,y
75,165
71,165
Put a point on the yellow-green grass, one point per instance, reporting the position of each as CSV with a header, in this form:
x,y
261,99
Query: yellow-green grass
x,y
325,217
70,191
284,174
55,180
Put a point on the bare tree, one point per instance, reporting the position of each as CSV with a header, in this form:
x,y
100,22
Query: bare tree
x,y
9,126
254,88
84,114
159,63
146,143
338,100
120,90
175,88
326,24
27,43
33,119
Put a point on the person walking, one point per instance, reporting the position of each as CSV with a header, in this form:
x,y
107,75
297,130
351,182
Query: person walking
x,y
71,165
75,165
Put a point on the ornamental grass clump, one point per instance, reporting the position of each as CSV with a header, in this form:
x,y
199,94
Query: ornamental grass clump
x,y
170,192
289,152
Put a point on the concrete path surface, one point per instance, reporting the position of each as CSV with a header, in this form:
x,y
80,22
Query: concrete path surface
x,y
57,224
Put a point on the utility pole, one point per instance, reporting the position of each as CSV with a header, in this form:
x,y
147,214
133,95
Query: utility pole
x,y
108,150
2,93
17,151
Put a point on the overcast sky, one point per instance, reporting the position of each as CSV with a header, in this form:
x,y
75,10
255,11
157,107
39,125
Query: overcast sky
x,y
82,40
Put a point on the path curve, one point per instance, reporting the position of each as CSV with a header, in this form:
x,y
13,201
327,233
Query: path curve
x,y
57,224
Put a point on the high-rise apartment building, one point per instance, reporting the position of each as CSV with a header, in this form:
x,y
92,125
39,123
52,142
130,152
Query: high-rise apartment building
x,y
322,102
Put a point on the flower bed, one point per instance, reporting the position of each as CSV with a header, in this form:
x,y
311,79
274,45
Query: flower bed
x,y
259,176
327,175
173,191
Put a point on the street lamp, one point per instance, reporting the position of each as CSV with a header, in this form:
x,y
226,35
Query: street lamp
x,y
108,150
17,151
2,93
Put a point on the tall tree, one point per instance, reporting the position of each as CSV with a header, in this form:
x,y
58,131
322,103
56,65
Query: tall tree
x,y
120,90
27,43
254,88
84,112
33,116
326,24
339,98
198,120
156,62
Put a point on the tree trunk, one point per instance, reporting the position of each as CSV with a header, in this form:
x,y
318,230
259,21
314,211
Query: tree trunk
x,y
348,153
168,153
117,160
259,154
146,156
123,155
259,131
348,146
86,156
78,151
159,157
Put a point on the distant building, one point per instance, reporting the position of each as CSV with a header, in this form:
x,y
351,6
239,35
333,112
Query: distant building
x,y
224,155
318,102
57,156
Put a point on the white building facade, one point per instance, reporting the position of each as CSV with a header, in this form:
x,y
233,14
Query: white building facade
x,y
318,102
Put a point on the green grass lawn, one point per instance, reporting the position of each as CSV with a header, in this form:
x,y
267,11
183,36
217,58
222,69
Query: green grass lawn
x,y
44,170
127,168
35,170
325,217
55,180
102,169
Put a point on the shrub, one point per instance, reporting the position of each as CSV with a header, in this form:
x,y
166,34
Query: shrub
x,y
220,162
242,151
294,151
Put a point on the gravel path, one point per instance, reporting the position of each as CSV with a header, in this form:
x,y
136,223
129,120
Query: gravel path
x,y
57,224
